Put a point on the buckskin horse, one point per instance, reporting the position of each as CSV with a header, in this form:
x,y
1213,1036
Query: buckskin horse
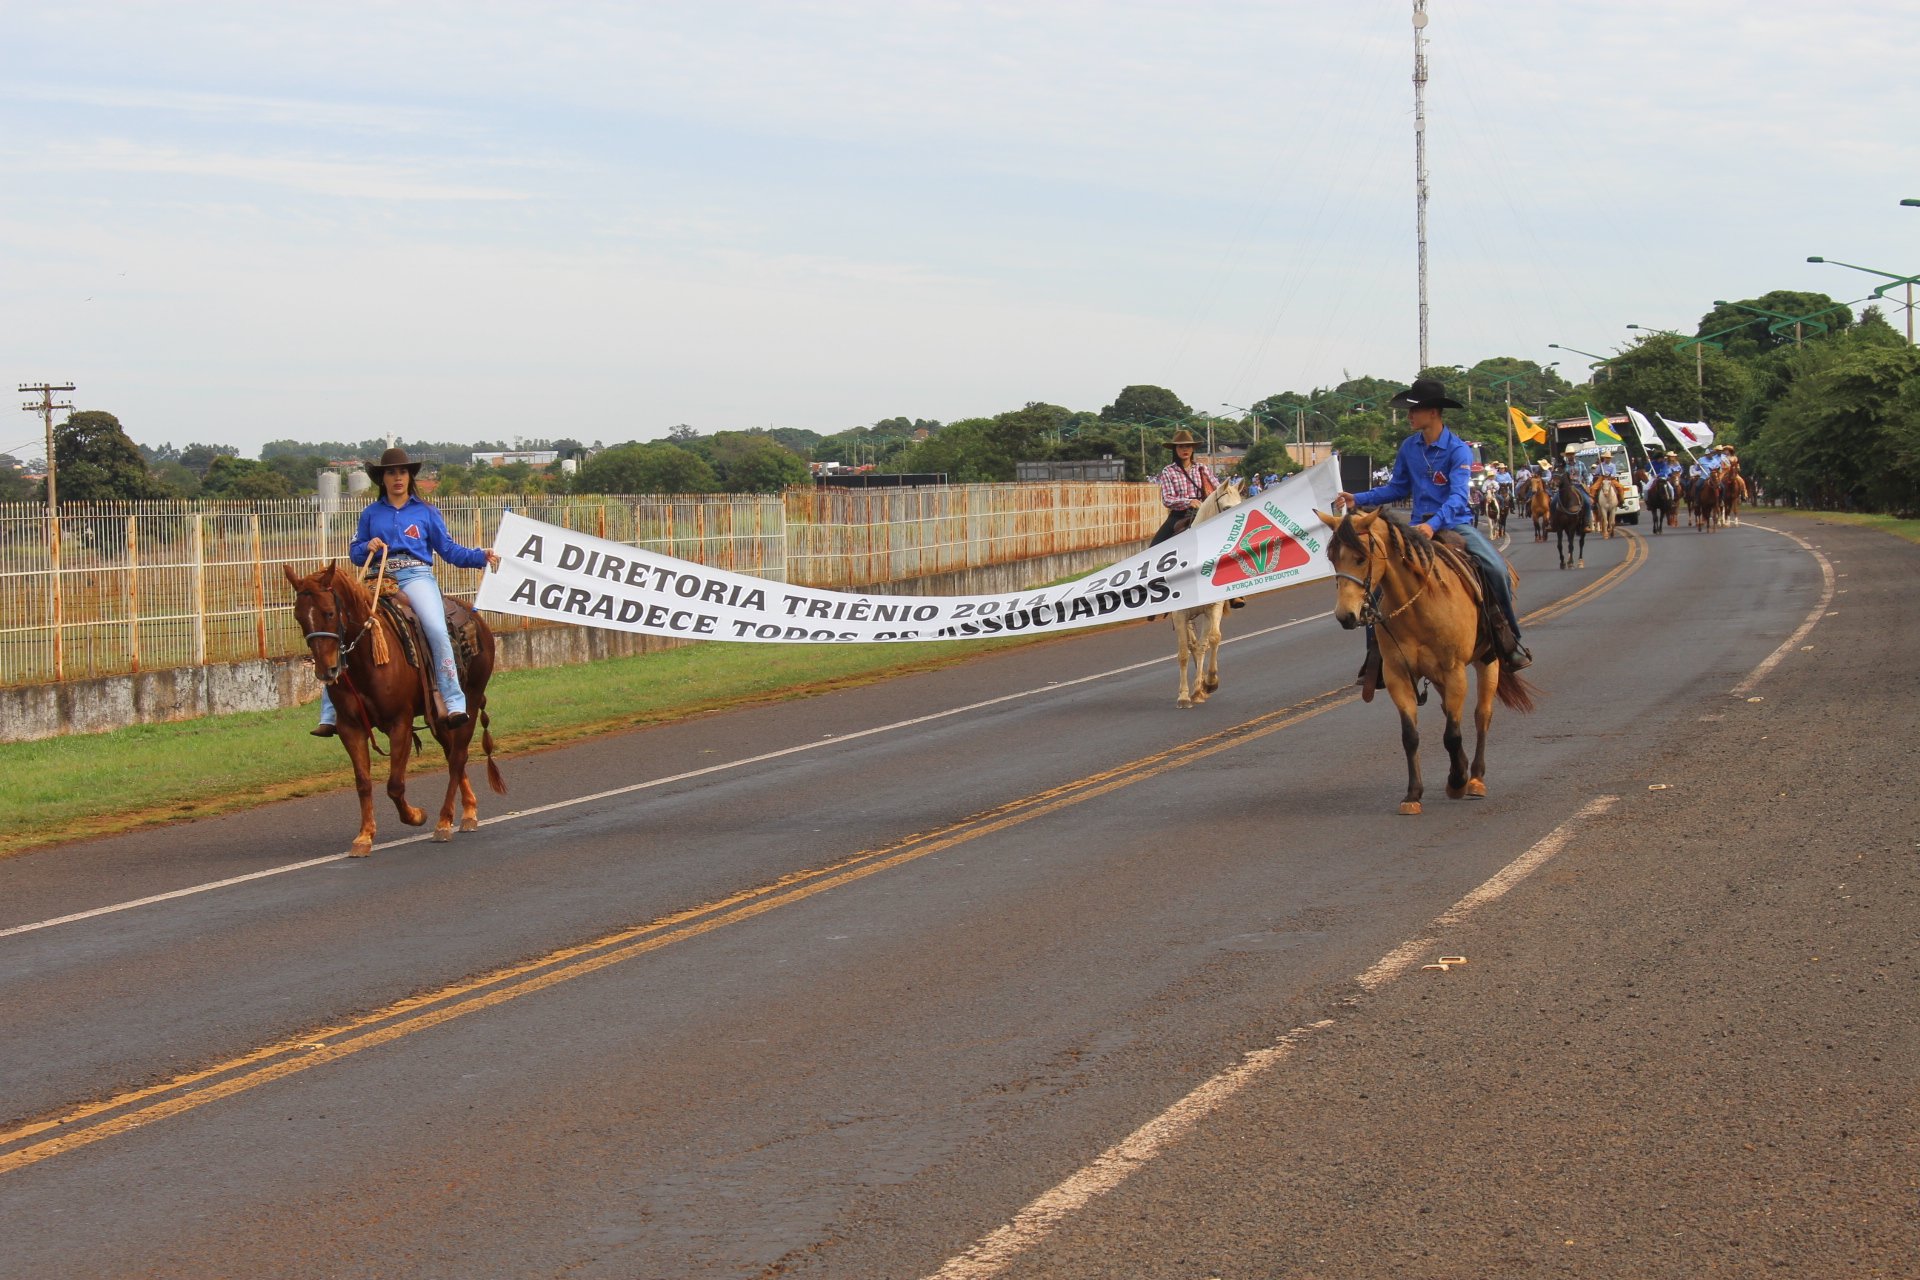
x,y
1196,631
1423,598
1568,520
357,654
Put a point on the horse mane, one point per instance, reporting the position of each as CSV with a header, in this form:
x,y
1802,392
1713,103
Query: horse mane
x,y
357,593
1403,543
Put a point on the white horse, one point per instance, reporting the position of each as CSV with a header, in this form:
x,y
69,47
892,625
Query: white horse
x,y
1606,503
1196,631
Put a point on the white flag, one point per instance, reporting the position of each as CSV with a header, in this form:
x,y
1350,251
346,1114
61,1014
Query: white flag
x,y
554,573
1648,436
1697,435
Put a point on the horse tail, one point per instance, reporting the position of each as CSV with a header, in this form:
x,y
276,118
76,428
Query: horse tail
x,y
1515,691
494,780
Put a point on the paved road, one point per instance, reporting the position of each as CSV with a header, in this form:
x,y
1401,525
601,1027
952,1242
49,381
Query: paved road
x,y
1017,969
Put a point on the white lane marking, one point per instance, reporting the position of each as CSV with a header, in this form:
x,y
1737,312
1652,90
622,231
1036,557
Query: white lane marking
x,y
1772,660
637,786
1110,1168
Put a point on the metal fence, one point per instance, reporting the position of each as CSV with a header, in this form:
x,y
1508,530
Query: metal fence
x,y
112,588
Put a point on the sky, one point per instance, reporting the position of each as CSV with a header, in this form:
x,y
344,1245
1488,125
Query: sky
x,y
234,223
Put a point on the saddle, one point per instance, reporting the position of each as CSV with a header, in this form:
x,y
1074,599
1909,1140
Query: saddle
x,y
1492,639
463,628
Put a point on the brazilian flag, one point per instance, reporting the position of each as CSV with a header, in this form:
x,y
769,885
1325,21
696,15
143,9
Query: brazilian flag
x,y
1603,431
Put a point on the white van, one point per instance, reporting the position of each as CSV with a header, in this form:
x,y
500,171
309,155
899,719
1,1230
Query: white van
x,y
1587,461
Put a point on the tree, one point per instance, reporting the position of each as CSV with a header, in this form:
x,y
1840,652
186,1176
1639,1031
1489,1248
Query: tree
x,y
1691,384
657,467
242,478
1754,334
753,462
1844,429
1268,456
1146,405
14,485
97,462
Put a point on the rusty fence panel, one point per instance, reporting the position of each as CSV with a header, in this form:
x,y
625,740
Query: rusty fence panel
x,y
145,585
856,537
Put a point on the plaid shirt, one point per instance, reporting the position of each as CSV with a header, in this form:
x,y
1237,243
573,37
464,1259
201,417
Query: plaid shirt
x,y
1180,489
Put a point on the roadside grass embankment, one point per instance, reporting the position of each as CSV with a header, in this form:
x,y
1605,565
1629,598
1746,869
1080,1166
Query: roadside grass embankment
x,y
1908,529
60,789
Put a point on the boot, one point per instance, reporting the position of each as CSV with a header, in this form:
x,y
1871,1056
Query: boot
x,y
1513,655
1369,678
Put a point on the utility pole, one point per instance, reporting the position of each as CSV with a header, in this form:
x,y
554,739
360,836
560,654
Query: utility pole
x,y
1420,158
45,407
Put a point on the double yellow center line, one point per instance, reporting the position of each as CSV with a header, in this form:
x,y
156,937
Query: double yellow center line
x,y
92,1122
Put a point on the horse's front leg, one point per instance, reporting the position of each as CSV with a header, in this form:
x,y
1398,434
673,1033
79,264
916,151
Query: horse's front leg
x,y
399,748
1406,701
357,741
1185,651
1210,651
1453,701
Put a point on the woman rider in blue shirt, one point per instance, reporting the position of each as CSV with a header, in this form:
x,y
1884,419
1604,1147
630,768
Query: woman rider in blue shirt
x,y
1434,467
412,533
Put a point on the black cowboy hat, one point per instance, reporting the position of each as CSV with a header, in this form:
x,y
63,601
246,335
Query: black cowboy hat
x,y
395,457
1425,393
1182,436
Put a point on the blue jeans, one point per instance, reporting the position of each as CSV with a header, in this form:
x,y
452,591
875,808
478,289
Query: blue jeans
x,y
423,593
1498,583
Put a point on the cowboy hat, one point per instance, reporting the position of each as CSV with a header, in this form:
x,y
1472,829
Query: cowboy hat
x,y
1425,393
1672,454
395,457
1182,436
1573,446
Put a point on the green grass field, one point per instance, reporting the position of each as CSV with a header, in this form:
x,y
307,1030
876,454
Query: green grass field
x,y
66,788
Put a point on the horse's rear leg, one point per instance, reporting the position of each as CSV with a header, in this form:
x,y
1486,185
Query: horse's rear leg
x,y
458,788
1487,685
399,748
1185,651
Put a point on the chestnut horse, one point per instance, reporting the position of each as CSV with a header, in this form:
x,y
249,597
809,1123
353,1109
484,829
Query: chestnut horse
x,y
1423,599
1532,490
1568,519
356,654
1733,491
1196,631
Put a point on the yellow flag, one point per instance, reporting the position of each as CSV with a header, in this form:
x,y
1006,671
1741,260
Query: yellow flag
x,y
1528,429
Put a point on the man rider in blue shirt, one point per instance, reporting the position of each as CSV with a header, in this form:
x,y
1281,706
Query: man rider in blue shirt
x,y
1434,467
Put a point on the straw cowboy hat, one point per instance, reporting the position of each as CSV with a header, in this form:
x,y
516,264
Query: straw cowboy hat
x,y
1425,393
1573,446
1182,436
395,457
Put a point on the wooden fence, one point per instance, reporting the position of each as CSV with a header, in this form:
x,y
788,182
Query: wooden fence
x,y
113,588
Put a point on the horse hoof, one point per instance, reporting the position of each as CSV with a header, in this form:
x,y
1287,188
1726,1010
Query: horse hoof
x,y
414,817
1581,565
1476,788
1410,808
1456,793
1185,704
469,824
442,834
360,849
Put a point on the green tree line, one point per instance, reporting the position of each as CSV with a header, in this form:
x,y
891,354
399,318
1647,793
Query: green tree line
x,y
1823,406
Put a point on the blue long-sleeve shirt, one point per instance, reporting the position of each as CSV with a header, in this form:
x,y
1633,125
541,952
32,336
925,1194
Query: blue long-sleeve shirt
x,y
1436,476
415,529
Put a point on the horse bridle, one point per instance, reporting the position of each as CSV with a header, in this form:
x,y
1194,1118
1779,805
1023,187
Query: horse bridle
x,y
1370,614
346,646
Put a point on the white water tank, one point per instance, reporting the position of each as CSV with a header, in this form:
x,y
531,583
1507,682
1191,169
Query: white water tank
x,y
329,490
358,482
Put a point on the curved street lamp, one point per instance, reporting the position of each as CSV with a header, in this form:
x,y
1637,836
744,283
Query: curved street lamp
x,y
1882,290
1603,361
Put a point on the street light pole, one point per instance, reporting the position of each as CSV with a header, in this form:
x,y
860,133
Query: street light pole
x,y
45,407
1604,360
1881,291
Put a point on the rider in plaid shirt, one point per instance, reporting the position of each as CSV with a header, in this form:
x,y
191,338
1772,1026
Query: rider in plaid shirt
x,y
1184,484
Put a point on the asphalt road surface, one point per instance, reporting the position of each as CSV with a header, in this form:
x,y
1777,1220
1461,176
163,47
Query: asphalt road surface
x,y
1018,969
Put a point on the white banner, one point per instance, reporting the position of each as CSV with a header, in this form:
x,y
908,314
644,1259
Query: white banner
x,y
1269,541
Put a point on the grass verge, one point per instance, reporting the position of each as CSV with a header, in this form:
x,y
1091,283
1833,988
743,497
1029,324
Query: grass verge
x,y
1908,529
68,788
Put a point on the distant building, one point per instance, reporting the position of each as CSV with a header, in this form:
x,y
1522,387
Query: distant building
x,y
1072,469
536,457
